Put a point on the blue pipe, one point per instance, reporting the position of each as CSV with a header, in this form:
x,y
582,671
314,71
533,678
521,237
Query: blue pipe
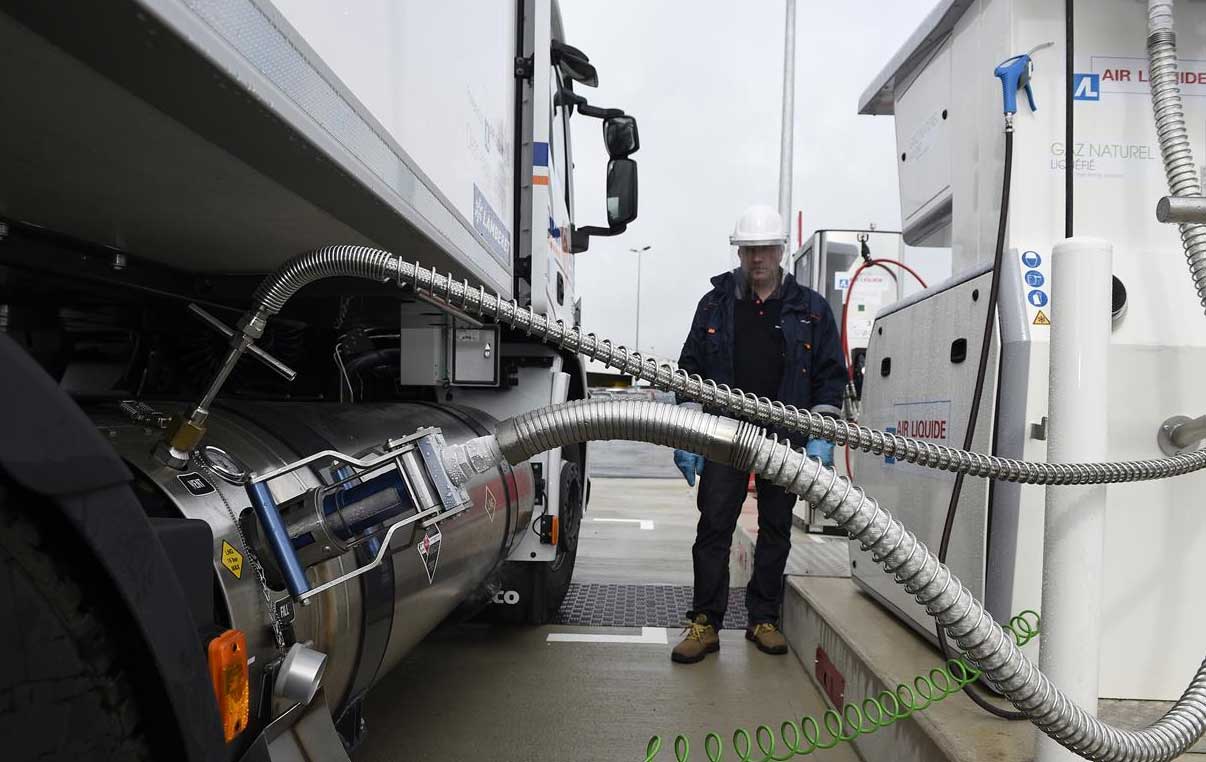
x,y
278,539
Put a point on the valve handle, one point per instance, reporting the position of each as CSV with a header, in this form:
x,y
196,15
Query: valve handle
x,y
281,369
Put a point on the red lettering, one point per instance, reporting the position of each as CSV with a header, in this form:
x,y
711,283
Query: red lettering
x,y
1108,74
1142,75
1124,75
923,428
1191,78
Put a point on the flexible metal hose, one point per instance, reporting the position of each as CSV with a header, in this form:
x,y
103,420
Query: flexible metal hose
x,y
378,265
776,414
327,262
1175,149
983,642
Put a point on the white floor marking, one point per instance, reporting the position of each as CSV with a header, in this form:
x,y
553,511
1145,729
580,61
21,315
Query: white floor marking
x,y
646,525
649,635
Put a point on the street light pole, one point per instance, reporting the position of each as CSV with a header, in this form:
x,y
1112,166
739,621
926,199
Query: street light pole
x,y
638,252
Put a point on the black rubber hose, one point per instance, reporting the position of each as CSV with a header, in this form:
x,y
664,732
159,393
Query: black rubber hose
x,y
981,373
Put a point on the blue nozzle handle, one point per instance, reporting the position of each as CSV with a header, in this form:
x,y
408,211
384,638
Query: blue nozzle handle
x,y
1015,75
278,538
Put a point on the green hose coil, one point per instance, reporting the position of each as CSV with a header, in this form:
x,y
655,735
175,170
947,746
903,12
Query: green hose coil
x,y
852,720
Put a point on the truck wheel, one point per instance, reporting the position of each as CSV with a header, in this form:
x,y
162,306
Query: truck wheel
x,y
539,588
560,571
64,693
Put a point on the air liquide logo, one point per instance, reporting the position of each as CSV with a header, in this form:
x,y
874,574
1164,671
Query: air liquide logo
x,y
1086,87
1110,75
928,421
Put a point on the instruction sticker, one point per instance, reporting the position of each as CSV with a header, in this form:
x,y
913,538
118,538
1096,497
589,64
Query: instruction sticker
x,y
1036,290
284,611
232,560
429,551
195,483
491,503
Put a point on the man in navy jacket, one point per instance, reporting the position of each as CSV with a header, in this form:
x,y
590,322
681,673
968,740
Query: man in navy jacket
x,y
759,331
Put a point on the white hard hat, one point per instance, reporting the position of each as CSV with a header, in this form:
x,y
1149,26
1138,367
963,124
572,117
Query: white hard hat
x,y
759,225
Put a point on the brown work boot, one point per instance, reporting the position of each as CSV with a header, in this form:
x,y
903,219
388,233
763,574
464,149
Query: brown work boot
x,y
700,639
767,637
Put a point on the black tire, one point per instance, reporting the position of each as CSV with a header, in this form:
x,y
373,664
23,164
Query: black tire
x,y
543,586
558,574
64,691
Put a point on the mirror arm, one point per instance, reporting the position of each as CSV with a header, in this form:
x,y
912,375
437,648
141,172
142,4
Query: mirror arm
x,y
580,237
599,113
569,97
605,232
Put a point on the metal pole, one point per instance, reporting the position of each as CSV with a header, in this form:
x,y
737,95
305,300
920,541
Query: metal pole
x,y
1074,522
785,137
637,344
638,330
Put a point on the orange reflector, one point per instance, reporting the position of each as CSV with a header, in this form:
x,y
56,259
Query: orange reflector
x,y
228,671
556,529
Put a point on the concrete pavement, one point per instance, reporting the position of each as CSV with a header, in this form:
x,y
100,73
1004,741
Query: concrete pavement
x,y
480,692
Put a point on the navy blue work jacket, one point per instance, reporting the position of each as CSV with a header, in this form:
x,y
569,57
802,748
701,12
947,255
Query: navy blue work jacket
x,y
814,370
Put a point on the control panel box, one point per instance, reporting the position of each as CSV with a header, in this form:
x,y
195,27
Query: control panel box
x,y
438,349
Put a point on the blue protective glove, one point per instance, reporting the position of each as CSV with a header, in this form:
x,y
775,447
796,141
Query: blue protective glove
x,y
821,449
690,464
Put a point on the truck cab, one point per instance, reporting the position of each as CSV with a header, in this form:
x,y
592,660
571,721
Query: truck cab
x,y
162,157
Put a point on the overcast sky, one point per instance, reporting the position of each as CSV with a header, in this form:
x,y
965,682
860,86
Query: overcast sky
x,y
704,80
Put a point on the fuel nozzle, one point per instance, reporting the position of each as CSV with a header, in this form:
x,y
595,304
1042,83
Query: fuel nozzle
x,y
1014,74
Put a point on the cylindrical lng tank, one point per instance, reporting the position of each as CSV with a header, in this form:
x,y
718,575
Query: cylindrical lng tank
x,y
368,624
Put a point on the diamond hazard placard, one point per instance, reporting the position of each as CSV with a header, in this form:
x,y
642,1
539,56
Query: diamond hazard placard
x,y
232,560
491,503
429,551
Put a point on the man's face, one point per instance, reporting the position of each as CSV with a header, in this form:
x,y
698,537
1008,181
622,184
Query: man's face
x,y
760,262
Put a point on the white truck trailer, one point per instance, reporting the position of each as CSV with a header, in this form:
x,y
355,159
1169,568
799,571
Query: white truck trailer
x,y
158,158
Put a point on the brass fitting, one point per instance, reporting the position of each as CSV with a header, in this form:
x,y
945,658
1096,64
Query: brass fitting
x,y
183,434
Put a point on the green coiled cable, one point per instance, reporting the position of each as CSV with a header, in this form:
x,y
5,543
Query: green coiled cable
x,y
852,720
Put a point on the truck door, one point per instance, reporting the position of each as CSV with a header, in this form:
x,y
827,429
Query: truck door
x,y
559,285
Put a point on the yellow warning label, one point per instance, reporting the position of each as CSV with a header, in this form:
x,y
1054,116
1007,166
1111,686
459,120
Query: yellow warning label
x,y
1041,318
232,559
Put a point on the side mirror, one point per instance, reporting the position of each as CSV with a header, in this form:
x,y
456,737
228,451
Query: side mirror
x,y
574,64
621,192
621,205
620,136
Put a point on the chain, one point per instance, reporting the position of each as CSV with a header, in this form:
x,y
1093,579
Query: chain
x,y
274,620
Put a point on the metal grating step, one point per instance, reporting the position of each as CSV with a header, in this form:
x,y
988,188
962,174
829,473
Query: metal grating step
x,y
640,606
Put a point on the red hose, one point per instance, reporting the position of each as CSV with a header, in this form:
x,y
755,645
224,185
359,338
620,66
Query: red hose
x,y
845,314
846,302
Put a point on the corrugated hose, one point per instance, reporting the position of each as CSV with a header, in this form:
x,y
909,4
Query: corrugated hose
x,y
985,645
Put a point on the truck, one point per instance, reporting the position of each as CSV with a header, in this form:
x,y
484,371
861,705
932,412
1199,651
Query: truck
x,y
229,584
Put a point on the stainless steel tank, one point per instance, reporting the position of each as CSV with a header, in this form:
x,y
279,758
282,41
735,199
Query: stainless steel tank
x,y
367,625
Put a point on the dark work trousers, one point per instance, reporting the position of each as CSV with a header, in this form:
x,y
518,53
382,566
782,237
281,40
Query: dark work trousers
x,y
722,490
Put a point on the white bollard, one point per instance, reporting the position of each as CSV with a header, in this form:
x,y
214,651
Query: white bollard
x,y
1074,524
